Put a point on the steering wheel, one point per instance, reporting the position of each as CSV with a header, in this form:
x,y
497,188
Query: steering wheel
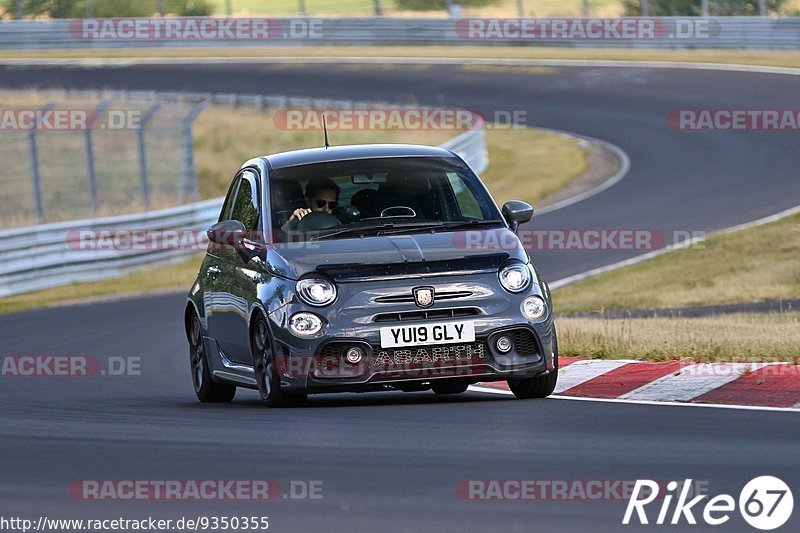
x,y
399,211
317,220
347,213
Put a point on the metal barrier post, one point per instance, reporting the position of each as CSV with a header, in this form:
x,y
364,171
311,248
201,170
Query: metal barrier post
x,y
148,116
37,178
188,179
90,153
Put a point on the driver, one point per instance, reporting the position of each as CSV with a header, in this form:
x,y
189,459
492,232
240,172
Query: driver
x,y
321,195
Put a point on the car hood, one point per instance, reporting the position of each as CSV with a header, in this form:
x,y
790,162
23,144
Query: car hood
x,y
398,256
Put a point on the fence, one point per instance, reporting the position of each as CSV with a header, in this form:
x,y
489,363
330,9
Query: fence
x,y
96,154
378,8
50,255
667,32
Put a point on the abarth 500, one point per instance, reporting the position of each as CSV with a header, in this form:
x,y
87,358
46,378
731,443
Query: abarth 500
x,y
367,268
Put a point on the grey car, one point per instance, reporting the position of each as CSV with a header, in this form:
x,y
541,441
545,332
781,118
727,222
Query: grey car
x,y
367,268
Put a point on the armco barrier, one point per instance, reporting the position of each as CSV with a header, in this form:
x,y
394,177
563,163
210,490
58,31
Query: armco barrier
x,y
48,255
670,32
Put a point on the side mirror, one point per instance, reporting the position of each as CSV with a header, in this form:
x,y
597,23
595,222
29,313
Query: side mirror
x,y
227,232
516,212
233,233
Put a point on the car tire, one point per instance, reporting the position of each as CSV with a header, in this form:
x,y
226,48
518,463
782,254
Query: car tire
x,y
207,391
540,386
267,379
450,387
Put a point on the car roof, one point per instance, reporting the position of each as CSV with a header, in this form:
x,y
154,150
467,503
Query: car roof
x,y
355,151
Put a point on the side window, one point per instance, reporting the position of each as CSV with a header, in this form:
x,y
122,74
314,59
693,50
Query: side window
x,y
227,206
467,204
245,209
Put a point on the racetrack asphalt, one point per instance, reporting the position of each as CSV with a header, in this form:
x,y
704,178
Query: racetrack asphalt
x,y
391,460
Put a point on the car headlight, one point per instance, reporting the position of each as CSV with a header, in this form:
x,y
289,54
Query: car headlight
x,y
316,291
305,324
515,277
534,308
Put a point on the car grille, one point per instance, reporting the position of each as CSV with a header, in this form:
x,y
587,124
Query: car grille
x,y
409,298
430,314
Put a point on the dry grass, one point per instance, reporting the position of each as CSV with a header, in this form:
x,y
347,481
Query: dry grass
x,y
553,162
740,337
767,57
761,263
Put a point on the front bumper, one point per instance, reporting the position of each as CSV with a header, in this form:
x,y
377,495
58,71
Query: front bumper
x,y
362,309
324,368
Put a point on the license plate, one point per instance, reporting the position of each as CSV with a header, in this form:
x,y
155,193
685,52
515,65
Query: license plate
x,y
427,333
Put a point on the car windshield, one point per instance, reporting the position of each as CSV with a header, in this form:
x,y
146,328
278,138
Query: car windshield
x,y
351,198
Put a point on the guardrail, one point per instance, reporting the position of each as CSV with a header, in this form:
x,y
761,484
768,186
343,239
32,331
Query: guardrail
x,y
51,255
664,32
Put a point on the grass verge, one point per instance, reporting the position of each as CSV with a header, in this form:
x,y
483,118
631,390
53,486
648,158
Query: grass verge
x,y
743,57
761,263
739,337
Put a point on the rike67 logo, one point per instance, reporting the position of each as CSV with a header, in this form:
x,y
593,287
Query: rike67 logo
x,y
765,503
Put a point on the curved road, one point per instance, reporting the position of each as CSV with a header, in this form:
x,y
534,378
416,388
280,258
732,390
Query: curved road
x,y
392,461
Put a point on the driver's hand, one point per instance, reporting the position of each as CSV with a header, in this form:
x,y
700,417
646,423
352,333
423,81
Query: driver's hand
x,y
299,213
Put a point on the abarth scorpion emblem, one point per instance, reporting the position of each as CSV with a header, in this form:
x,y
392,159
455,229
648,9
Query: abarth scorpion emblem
x,y
423,296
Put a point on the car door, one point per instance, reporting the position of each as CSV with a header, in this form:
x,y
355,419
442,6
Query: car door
x,y
214,300
237,281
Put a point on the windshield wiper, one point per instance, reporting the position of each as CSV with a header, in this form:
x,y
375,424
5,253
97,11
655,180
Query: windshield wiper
x,y
472,223
440,226
395,229
358,230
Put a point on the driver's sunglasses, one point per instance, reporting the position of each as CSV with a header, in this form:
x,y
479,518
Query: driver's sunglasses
x,y
322,203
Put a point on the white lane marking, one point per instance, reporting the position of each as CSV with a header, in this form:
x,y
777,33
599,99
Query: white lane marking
x,y
691,382
563,282
94,62
624,167
582,371
502,392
